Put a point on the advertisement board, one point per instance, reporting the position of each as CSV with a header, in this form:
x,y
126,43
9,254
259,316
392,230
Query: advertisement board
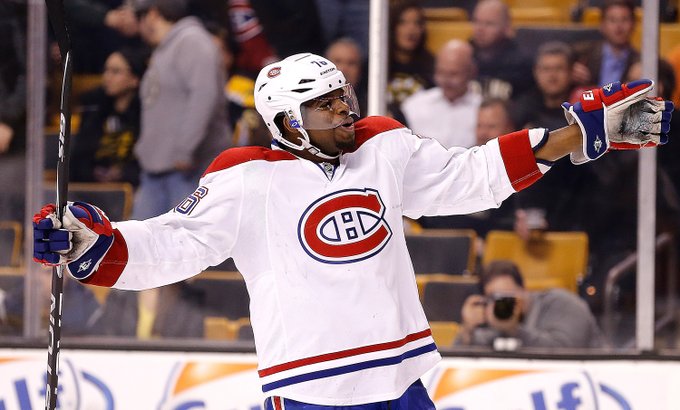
x,y
108,380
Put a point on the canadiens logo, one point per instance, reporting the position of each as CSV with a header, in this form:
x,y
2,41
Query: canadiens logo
x,y
274,72
345,226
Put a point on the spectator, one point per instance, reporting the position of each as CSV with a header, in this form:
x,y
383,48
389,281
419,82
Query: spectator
x,y
12,109
411,65
503,69
345,53
605,61
549,204
448,112
345,18
109,127
542,105
252,49
493,120
506,310
184,122
99,27
168,312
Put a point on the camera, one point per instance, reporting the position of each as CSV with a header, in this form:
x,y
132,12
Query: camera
x,y
503,306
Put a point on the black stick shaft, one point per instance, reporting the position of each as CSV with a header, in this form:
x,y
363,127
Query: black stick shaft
x,y
55,9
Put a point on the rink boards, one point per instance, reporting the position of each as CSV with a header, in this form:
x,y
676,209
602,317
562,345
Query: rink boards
x,y
104,380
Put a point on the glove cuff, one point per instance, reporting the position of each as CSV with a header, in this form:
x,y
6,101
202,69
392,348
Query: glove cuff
x,y
592,124
86,264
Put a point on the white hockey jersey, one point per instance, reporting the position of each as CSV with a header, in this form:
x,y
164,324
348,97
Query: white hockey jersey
x,y
334,303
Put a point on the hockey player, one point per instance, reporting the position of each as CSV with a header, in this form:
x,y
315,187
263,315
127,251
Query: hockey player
x,y
315,227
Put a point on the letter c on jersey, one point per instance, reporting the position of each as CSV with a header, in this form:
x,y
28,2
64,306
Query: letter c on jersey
x,y
345,226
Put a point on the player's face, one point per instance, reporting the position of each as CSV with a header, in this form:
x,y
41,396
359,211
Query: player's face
x,y
328,122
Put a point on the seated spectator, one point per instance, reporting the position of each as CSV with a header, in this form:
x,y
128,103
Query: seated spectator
x,y
102,150
171,312
447,112
493,119
542,105
345,53
503,70
604,61
410,65
506,311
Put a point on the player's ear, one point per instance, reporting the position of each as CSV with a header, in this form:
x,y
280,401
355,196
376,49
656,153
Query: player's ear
x,y
288,127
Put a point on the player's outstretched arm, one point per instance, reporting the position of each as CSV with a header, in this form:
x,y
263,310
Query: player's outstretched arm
x,y
614,117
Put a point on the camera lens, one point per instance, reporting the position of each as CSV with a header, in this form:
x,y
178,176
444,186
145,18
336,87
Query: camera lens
x,y
503,307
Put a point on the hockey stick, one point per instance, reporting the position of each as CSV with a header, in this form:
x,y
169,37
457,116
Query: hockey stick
x,y
55,12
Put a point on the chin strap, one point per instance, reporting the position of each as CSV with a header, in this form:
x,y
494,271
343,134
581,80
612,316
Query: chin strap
x,y
305,145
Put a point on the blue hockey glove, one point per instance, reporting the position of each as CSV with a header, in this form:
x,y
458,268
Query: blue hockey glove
x,y
619,116
80,243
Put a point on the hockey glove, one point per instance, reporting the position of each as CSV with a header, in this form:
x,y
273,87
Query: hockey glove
x,y
619,116
80,243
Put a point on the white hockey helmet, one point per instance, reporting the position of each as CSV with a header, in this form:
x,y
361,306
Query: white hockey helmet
x,y
282,87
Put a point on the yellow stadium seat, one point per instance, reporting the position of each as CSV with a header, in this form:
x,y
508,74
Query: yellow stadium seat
x,y
557,259
542,15
439,32
10,243
446,14
444,333
564,4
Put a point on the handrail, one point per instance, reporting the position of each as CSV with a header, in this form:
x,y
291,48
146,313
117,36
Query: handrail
x,y
664,240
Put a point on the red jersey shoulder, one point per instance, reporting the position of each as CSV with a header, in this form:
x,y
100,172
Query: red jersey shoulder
x,y
369,127
240,155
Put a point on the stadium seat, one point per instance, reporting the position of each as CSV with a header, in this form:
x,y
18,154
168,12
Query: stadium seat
x,y
218,328
446,14
10,243
557,259
449,251
443,297
543,15
439,32
444,333
226,294
562,4
221,328
114,198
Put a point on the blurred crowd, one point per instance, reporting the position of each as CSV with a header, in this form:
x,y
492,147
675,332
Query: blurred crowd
x,y
175,87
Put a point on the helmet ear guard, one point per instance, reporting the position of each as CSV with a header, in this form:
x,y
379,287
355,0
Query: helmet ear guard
x,y
282,88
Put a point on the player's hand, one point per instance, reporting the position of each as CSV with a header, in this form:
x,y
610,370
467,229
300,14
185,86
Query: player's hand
x,y
619,116
80,243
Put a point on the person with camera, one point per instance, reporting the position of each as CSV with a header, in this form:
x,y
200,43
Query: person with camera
x,y
507,316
